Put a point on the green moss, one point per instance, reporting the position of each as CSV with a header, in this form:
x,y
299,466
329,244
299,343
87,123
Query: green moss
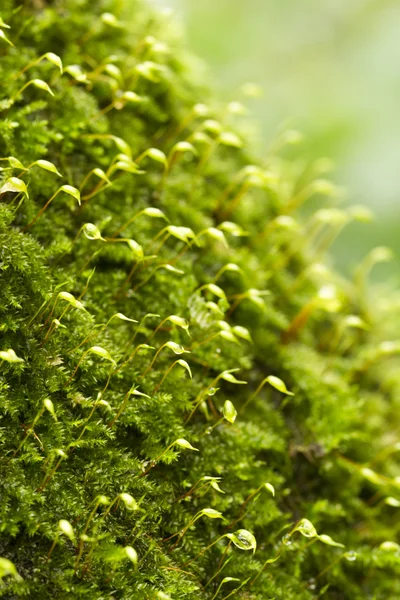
x,y
80,427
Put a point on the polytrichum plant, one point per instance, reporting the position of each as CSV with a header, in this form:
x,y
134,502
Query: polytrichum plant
x,y
137,225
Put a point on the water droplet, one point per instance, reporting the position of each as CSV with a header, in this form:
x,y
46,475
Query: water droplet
x,y
244,541
287,540
350,556
312,584
208,430
306,528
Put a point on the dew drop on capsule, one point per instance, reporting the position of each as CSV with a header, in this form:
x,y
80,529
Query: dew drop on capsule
x,y
287,540
351,556
244,540
312,584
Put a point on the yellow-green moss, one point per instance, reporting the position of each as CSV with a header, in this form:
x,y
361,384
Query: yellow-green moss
x,y
104,448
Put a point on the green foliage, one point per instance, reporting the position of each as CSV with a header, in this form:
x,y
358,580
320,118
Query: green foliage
x,y
124,476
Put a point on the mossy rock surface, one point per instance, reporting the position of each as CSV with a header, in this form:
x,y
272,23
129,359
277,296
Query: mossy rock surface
x,y
121,430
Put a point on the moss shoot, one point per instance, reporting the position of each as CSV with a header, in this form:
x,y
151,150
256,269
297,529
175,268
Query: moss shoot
x,y
193,403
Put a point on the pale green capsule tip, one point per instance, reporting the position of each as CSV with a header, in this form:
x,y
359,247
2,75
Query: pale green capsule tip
x,y
15,185
6,566
129,167
55,60
361,213
101,174
122,145
15,163
176,348
179,322
286,222
389,347
154,213
200,137
131,554
380,254
217,235
157,155
102,500
212,126
326,539
200,110
270,488
172,269
231,378
123,318
91,232
228,138
243,539
389,547
211,513
323,186
236,108
129,501
185,234
215,486
213,307
66,528
5,38
113,70
129,96
76,72
233,267
242,332
390,501
136,249
3,24
110,19
47,166
250,170
71,300
214,289
355,321
137,393
72,191
229,411
228,335
223,325
58,323
278,384
150,70
102,352
10,356
50,407
306,528
182,443
232,228
185,365
184,147
42,85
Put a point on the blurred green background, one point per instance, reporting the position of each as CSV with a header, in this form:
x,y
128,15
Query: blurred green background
x,y
330,68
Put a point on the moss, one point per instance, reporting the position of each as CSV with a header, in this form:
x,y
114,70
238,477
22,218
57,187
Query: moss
x,y
106,445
